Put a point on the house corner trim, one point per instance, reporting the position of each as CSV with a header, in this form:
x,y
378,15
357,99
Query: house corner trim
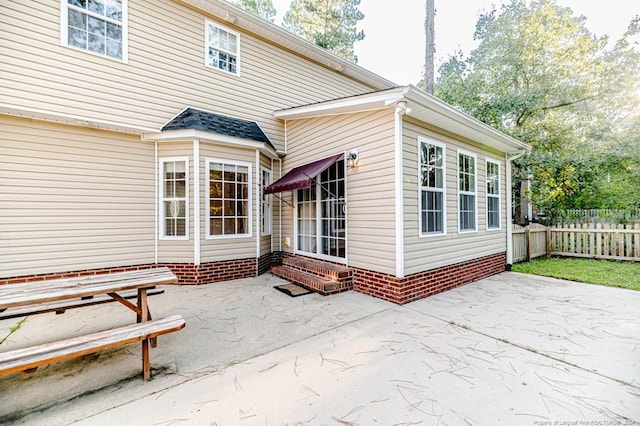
x,y
399,196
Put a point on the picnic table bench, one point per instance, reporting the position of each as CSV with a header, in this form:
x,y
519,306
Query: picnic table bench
x,y
37,296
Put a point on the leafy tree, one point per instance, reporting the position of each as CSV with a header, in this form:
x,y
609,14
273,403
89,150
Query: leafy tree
x,y
540,76
331,24
619,170
261,8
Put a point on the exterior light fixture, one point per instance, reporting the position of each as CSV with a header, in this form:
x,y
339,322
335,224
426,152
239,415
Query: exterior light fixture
x,y
352,158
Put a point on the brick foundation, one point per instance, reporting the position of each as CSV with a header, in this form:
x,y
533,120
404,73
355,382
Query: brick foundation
x,y
187,273
264,262
426,283
72,274
383,286
212,272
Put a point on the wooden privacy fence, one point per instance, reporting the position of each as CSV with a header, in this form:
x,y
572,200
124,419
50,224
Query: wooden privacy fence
x,y
598,241
529,242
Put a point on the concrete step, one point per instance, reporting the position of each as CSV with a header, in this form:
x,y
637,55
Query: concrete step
x,y
326,270
311,281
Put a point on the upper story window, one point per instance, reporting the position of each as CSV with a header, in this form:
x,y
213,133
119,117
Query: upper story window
x,y
229,199
493,195
174,192
467,202
222,48
97,26
432,186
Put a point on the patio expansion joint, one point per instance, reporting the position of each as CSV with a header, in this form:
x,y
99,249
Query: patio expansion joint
x,y
528,349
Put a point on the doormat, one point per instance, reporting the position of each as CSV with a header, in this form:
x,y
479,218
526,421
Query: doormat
x,y
292,290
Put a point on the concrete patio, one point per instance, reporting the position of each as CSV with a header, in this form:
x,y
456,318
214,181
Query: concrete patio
x,y
510,349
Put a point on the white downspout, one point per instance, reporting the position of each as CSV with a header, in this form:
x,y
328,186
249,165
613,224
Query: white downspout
x,y
508,159
258,204
280,210
399,198
272,173
157,200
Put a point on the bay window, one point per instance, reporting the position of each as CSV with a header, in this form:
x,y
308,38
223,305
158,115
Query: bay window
x,y
229,199
174,192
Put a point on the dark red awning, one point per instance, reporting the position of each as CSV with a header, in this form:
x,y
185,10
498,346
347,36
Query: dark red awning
x,y
301,176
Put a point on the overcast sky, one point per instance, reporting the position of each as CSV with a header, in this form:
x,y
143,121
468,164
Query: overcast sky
x,y
393,46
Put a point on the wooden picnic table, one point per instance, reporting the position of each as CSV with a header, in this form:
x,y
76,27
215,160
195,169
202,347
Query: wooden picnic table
x,y
41,293
33,293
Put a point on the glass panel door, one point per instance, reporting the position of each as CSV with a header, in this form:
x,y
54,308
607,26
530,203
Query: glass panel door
x,y
322,214
307,224
333,211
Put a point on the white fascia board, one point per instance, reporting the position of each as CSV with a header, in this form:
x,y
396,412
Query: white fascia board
x,y
192,134
74,120
358,103
474,128
269,152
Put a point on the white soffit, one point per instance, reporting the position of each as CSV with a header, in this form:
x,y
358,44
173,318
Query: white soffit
x,y
366,102
74,120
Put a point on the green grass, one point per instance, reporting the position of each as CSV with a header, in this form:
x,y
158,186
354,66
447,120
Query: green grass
x,y
603,272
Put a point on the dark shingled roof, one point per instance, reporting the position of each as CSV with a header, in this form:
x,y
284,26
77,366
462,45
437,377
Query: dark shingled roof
x,y
199,120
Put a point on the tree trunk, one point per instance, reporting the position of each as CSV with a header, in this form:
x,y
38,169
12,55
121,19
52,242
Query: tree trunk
x,y
430,47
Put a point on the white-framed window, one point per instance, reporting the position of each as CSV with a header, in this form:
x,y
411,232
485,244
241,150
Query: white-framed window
x,y
266,200
228,186
493,194
174,198
432,169
467,200
222,48
95,26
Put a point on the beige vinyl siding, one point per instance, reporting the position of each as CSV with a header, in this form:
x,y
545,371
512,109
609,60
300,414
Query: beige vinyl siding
x,y
370,186
217,249
279,206
265,240
164,74
424,253
173,250
73,198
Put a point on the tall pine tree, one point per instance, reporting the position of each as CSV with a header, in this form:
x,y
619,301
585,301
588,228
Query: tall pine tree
x,y
261,8
331,24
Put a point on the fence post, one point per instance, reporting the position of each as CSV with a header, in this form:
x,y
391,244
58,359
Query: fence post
x,y
548,241
527,240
